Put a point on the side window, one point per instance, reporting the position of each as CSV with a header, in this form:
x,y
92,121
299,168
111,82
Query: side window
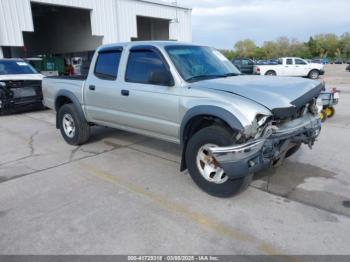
x,y
107,65
299,62
142,64
245,62
289,61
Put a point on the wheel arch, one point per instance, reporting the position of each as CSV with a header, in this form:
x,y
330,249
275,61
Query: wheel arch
x,y
314,69
202,116
271,70
66,97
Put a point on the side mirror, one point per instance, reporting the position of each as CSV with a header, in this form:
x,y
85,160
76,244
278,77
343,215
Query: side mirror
x,y
161,77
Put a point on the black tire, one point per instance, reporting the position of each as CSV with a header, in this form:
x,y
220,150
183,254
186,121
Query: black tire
x,y
314,74
271,73
222,137
82,128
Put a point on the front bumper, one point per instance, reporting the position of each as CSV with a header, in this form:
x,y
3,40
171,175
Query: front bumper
x,y
241,160
18,96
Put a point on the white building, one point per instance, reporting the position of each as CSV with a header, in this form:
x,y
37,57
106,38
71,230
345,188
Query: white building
x,y
33,27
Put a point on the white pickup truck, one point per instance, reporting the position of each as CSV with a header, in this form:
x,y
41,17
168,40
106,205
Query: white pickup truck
x,y
291,66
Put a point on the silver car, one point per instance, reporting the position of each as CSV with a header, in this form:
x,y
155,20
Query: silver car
x,y
229,126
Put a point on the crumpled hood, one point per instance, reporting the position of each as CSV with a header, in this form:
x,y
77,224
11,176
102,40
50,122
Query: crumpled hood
x,y
21,77
271,92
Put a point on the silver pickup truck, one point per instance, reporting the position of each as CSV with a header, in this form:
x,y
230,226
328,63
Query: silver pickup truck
x,y
229,126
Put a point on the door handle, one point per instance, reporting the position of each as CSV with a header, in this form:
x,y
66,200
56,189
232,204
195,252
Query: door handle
x,y
92,88
125,92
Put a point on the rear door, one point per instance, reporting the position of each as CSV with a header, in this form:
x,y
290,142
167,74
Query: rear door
x,y
102,92
289,67
247,66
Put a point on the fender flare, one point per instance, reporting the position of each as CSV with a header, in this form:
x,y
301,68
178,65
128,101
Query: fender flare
x,y
75,101
314,69
205,110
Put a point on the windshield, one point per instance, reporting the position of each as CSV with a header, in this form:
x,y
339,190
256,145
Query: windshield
x,y
15,68
196,63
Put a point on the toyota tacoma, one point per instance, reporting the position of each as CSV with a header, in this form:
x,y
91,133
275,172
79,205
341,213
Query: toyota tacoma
x,y
229,125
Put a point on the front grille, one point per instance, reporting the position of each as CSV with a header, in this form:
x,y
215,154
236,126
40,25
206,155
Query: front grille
x,y
24,88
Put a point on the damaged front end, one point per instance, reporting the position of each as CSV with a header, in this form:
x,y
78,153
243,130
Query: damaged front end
x,y
19,95
275,141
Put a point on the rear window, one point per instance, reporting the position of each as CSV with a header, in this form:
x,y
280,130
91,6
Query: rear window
x,y
289,61
107,65
16,68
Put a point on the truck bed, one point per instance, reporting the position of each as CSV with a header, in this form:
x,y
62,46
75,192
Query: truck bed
x,y
52,86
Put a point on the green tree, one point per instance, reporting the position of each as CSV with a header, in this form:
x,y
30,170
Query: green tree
x,y
270,49
283,46
344,45
322,45
230,54
259,53
329,43
314,47
245,48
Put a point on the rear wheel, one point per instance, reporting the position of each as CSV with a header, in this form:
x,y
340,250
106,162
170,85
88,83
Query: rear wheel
x,y
74,128
314,74
205,170
271,73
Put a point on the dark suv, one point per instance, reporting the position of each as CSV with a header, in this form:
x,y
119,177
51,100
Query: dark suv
x,y
245,65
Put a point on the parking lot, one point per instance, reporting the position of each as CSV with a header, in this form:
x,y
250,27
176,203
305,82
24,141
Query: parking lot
x,y
123,194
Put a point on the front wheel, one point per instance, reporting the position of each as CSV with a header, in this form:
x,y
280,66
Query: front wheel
x,y
74,128
205,170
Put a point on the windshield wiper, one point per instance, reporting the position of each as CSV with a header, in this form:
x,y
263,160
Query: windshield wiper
x,y
203,77
230,74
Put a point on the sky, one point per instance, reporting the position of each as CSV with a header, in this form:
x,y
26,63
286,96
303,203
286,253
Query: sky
x,y
221,23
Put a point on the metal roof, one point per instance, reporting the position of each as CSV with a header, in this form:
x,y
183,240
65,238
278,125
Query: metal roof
x,y
112,19
160,2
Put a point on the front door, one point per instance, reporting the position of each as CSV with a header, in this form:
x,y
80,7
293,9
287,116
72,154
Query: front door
x,y
301,67
147,106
